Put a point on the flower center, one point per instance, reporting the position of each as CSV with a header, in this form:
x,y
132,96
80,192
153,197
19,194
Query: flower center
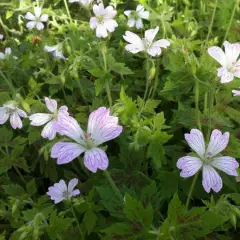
x,y
65,194
100,19
233,67
55,116
89,142
207,158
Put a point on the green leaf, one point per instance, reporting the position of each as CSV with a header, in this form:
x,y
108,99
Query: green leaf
x,y
31,187
90,220
13,190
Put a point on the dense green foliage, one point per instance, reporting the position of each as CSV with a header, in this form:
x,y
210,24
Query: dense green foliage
x,y
142,160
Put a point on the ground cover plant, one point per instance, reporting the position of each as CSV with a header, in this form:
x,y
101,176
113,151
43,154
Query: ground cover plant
x,y
119,119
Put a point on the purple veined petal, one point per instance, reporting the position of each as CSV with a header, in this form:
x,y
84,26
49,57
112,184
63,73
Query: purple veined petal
x,y
37,11
110,12
143,14
15,120
30,16
72,184
65,152
226,164
21,113
218,142
98,9
102,127
95,159
63,110
227,77
31,24
49,130
74,193
196,141
151,34
163,43
3,115
136,44
189,166
218,54
39,119
221,71
8,51
236,93
232,51
154,50
211,179
69,127
139,8
39,26
44,18
58,191
51,104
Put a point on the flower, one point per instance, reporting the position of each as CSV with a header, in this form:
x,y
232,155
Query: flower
x,y
103,20
39,119
37,19
135,17
10,109
85,3
101,128
8,52
236,93
1,36
207,159
56,51
230,65
60,191
146,44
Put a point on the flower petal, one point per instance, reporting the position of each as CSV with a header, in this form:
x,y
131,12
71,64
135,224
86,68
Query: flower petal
x,y
189,166
127,13
30,16
144,14
236,93
37,11
3,115
232,51
31,24
136,44
102,127
110,25
131,22
139,23
154,50
38,119
151,34
65,152
8,51
49,131
226,164
15,120
93,23
227,77
44,18
211,179
40,26
196,141
2,55
50,49
51,104
98,9
72,184
110,12
218,143
101,31
21,113
95,159
218,54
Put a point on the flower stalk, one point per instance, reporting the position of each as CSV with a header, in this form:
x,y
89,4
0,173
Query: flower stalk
x,y
78,224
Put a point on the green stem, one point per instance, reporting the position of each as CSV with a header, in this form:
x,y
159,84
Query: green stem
x,y
156,78
197,105
20,175
78,224
68,12
231,19
205,102
191,190
147,80
211,24
115,188
211,102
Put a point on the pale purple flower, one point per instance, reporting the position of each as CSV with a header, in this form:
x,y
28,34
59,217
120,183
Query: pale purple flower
x,y
103,21
147,44
228,60
135,17
60,191
36,19
56,50
7,53
101,128
11,110
1,36
39,119
208,159
236,93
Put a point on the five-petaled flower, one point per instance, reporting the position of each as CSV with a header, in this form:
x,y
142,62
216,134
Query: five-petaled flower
x,y
103,20
84,3
229,61
11,110
56,50
135,17
60,191
101,128
7,53
207,159
39,119
146,44
37,19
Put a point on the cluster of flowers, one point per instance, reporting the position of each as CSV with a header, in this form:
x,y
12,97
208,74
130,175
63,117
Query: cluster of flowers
x,y
103,127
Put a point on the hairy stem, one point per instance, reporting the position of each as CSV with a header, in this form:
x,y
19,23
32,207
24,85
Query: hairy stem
x,y
78,224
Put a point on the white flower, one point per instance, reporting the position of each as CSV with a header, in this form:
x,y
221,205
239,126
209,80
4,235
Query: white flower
x,y
11,110
8,52
39,119
60,191
55,50
236,93
1,36
37,19
85,3
146,44
103,20
230,65
135,17
208,159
